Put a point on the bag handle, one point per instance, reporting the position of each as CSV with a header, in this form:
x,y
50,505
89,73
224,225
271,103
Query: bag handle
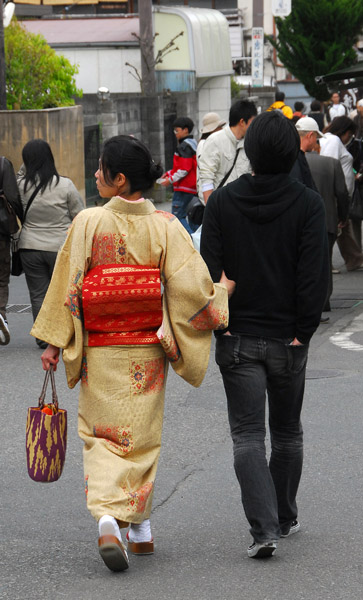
x,y
49,373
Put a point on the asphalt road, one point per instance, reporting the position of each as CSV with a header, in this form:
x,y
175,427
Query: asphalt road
x,y
48,541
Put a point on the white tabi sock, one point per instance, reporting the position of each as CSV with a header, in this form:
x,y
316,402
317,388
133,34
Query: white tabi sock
x,y
140,532
107,525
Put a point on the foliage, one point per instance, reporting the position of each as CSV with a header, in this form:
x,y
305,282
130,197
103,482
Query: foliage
x,y
170,47
36,77
236,88
317,38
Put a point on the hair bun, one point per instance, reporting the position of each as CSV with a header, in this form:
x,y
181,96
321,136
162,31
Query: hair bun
x,y
156,171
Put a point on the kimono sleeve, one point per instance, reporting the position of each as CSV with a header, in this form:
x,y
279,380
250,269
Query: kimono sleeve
x,y
192,307
59,321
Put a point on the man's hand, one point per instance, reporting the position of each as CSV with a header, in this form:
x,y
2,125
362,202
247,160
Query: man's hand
x,y
229,283
206,195
295,342
165,182
50,357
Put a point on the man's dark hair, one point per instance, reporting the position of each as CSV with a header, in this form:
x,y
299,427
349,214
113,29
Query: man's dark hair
x,y
241,109
272,143
299,106
279,96
184,122
315,105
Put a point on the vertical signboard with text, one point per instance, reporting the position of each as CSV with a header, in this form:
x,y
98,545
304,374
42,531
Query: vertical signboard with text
x,y
257,56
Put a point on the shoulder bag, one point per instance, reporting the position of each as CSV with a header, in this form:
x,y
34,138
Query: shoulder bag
x,y
195,208
16,266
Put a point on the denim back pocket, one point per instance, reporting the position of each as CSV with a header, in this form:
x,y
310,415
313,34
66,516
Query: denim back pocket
x,y
227,349
297,357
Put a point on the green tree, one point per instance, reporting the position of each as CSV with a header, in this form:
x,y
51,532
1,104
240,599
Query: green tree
x,y
36,77
317,38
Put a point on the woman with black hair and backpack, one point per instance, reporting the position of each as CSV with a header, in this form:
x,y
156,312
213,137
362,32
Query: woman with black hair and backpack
x,y
50,203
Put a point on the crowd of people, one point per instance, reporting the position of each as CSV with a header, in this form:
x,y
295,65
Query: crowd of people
x,y
120,292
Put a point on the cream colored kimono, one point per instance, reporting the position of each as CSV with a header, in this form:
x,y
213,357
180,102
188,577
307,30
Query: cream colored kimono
x,y
122,387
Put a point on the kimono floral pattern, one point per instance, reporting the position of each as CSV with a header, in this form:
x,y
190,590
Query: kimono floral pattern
x,y
108,248
84,369
73,299
209,317
166,215
118,437
137,500
147,377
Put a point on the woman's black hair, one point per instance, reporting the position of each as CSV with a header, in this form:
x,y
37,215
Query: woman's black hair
x,y
340,125
126,154
39,164
272,143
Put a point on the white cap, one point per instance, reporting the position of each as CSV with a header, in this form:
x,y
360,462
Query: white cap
x,y
308,124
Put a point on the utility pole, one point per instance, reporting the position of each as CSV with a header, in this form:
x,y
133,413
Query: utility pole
x,y
2,60
147,47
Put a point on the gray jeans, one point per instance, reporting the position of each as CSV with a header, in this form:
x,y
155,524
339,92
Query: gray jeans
x,y
38,267
250,367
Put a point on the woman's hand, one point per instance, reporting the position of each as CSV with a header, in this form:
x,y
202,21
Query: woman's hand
x,y
229,283
50,357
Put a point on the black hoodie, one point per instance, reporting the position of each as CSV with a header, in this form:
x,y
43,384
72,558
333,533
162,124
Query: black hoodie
x,y
267,232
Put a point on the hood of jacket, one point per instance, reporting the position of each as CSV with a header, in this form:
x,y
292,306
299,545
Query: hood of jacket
x,y
264,198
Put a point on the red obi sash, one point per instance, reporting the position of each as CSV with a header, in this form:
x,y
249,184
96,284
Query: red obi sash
x,y
122,305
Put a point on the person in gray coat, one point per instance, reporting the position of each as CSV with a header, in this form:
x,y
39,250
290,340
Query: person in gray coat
x,y
50,203
329,179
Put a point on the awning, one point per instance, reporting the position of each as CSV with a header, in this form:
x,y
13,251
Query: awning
x,y
344,79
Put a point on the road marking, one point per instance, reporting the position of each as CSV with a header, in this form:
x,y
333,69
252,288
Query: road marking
x,y
342,338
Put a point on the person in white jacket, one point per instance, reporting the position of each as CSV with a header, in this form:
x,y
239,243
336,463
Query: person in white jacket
x,y
223,158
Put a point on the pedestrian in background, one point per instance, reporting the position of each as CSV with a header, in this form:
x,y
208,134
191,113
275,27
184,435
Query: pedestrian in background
x,y
280,105
329,179
298,112
223,158
50,203
267,233
119,349
315,113
11,192
337,136
183,175
336,109
211,123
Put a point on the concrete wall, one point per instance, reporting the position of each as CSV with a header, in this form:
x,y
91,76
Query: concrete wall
x,y
62,128
214,96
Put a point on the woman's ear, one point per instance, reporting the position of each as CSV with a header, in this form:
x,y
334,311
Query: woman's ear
x,y
120,181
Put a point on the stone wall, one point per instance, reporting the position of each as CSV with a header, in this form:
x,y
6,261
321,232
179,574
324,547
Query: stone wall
x,y
62,128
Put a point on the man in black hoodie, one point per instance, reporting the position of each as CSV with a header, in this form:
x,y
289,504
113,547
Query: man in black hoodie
x,y
265,235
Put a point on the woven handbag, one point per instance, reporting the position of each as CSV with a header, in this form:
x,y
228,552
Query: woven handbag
x,y
46,436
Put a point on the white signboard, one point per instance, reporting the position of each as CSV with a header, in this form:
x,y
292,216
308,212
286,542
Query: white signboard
x,y
281,8
257,56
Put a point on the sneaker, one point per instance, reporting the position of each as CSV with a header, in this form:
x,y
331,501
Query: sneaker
x,y
4,332
263,550
294,528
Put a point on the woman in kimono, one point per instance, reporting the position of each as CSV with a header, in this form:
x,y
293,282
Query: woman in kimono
x,y
117,333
